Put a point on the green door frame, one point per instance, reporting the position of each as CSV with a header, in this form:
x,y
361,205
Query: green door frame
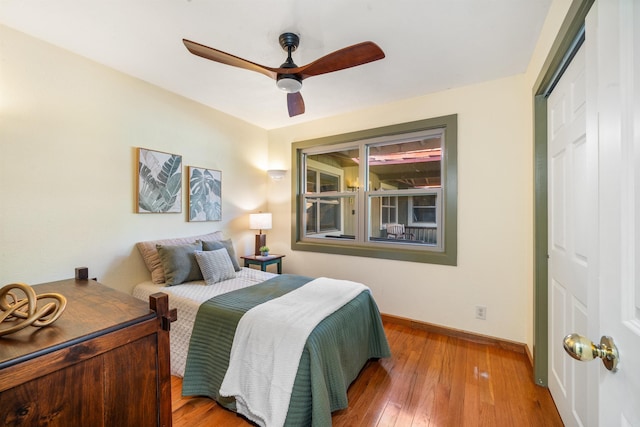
x,y
557,59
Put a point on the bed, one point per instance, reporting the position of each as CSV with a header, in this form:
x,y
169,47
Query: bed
x,y
206,339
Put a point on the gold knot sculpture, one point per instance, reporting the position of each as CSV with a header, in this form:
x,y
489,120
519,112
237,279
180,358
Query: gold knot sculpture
x,y
16,313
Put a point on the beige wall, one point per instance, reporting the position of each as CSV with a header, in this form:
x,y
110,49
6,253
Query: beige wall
x,y
68,132
551,27
494,202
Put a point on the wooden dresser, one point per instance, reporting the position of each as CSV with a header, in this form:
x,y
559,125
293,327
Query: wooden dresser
x,y
104,362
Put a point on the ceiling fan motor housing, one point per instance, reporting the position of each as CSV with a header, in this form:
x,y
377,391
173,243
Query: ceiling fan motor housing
x,y
289,40
290,83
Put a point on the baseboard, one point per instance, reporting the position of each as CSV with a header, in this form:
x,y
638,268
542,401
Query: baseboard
x,y
457,333
529,355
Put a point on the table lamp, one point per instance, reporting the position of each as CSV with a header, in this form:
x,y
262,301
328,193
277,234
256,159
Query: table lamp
x,y
260,221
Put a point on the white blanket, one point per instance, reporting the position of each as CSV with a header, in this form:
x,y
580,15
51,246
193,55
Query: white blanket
x,y
268,345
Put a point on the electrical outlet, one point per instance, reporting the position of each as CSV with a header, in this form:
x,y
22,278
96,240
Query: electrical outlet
x,y
481,312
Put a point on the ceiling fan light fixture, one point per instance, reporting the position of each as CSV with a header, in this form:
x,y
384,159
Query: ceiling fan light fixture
x,y
289,83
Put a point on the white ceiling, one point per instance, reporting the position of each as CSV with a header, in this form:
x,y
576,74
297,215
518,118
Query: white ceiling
x,y
430,46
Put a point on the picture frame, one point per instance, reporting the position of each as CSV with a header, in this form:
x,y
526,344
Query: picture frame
x,y
205,194
159,183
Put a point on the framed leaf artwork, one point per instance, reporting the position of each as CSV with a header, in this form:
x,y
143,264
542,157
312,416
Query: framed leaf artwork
x,y
159,184
205,194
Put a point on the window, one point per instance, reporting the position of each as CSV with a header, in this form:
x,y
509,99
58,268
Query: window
x,y
388,210
322,213
422,210
388,192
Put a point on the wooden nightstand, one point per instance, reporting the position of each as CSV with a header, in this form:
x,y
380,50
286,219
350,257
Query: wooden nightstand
x,y
263,261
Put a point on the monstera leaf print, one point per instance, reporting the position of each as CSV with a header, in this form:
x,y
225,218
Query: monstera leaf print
x,y
205,195
159,182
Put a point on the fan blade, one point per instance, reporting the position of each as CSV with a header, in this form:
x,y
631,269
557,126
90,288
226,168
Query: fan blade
x,y
295,103
228,59
348,57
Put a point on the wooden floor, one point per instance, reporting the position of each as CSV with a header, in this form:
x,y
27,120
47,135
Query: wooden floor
x,y
431,380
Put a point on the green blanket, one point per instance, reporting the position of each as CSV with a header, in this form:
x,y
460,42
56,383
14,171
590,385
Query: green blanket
x,y
334,354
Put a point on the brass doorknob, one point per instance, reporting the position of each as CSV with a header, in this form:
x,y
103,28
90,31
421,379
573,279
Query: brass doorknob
x,y
582,348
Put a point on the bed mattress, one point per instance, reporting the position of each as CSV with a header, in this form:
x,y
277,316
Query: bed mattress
x,y
187,298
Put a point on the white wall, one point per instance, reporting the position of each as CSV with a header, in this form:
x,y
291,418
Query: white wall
x,y
68,132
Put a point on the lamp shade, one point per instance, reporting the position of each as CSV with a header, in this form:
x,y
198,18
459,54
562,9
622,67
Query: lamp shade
x,y
260,221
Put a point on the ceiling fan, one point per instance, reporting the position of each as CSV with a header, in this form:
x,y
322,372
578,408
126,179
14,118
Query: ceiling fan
x,y
289,76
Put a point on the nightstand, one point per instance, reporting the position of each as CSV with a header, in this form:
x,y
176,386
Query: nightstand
x,y
263,261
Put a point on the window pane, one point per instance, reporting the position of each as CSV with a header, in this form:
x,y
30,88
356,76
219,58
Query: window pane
x,y
331,217
312,225
338,170
424,201
329,183
427,215
312,179
388,209
388,214
423,210
406,165
414,224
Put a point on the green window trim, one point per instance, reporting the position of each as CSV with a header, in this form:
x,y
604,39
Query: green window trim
x,y
446,256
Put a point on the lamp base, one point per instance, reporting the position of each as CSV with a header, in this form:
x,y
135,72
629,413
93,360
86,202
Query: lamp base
x,y
261,240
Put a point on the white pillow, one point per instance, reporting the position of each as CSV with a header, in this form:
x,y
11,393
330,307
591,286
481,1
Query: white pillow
x,y
215,265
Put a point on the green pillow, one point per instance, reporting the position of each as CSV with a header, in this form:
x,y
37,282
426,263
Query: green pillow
x,y
219,244
179,263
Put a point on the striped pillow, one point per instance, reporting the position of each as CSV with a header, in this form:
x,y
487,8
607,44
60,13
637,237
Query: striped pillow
x,y
215,265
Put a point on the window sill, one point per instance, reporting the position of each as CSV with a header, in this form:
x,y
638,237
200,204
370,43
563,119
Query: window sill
x,y
404,253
